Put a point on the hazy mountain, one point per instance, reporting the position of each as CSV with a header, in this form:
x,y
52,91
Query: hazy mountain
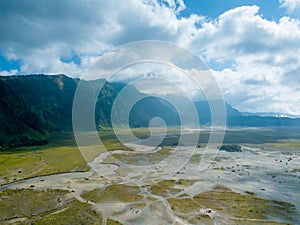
x,y
33,106
271,114
151,107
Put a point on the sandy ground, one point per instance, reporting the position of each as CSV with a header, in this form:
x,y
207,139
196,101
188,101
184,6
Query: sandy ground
x,y
271,175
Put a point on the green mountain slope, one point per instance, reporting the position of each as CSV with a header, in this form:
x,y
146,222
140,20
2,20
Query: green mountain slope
x,y
35,105
48,97
18,124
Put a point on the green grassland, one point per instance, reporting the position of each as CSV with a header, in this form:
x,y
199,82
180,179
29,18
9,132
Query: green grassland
x,y
114,193
59,156
46,208
62,154
22,165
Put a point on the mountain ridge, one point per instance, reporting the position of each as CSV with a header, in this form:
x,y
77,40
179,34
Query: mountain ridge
x,y
34,106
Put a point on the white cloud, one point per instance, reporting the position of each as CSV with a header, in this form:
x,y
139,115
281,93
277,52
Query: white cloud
x,y
259,59
242,32
8,72
176,5
41,33
256,61
290,5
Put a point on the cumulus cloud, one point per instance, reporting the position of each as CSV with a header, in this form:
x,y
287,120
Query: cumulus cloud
x,y
255,60
8,72
176,5
49,31
242,32
261,59
290,5
54,30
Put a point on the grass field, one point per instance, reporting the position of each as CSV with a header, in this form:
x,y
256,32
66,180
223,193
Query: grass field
x,y
46,208
62,154
59,156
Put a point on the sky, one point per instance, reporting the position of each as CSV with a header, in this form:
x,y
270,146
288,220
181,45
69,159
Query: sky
x,y
252,47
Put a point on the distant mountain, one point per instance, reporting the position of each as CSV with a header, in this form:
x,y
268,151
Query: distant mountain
x,y
204,111
261,121
271,114
151,107
147,108
33,106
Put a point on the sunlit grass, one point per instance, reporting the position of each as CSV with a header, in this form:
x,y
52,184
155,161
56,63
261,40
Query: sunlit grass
x,y
52,160
63,155
46,208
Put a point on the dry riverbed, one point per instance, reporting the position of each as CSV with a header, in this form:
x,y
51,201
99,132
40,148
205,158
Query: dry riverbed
x,y
255,186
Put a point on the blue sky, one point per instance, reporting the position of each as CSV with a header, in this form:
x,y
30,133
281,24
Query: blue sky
x,y
251,46
9,64
213,8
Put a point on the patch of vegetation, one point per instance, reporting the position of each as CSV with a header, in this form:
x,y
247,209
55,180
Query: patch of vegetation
x,y
144,158
27,203
195,158
219,159
231,148
61,155
219,168
201,219
190,205
112,222
114,193
190,211
244,206
76,213
46,208
291,143
241,209
167,188
294,170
